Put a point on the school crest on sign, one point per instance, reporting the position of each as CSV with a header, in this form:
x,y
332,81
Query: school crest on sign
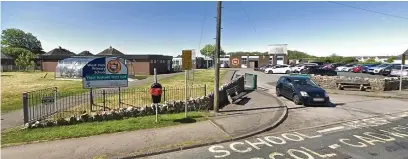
x,y
113,66
235,61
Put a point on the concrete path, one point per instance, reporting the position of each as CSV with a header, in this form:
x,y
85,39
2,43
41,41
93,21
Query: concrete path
x,y
15,118
224,126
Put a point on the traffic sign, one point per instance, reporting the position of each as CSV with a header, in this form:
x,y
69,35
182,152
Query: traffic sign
x,y
187,60
235,61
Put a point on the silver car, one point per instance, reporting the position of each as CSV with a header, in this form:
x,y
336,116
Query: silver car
x,y
397,71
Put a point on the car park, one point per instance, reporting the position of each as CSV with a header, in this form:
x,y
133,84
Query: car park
x,y
345,68
387,70
397,71
278,69
300,67
318,70
302,90
367,66
376,69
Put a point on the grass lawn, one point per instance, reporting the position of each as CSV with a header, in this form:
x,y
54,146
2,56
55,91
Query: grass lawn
x,y
17,136
13,84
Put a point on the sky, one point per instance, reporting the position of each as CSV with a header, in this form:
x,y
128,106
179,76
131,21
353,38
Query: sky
x,y
319,28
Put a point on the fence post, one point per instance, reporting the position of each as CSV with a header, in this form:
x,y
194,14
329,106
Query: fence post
x,y
120,106
104,100
25,107
91,99
205,89
55,99
164,94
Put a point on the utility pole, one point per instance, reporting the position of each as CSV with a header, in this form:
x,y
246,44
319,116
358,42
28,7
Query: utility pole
x,y
216,58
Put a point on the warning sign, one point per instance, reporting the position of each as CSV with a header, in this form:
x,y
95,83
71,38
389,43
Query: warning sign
x,y
235,61
186,60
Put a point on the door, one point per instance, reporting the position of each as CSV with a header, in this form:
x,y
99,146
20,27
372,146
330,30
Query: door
x,y
252,64
256,64
287,89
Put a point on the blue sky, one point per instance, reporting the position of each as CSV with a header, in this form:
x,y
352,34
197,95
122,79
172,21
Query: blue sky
x,y
319,28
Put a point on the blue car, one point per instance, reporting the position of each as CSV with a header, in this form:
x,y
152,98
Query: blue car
x,y
367,66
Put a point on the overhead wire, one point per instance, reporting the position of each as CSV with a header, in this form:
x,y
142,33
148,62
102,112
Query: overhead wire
x,y
395,16
247,15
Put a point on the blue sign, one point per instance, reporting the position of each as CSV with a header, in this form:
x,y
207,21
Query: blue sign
x,y
105,72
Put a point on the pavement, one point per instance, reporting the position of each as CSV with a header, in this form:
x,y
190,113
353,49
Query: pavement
x,y
15,118
258,112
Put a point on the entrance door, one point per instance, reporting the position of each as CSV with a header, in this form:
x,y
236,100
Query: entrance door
x,y
256,64
252,64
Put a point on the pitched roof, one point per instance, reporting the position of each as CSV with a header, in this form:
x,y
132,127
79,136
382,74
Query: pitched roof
x,y
405,53
5,56
85,53
110,51
59,52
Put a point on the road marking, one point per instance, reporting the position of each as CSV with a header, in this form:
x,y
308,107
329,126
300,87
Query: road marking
x,y
334,146
330,129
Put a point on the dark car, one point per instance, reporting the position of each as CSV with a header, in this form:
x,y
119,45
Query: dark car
x,y
318,70
301,90
387,70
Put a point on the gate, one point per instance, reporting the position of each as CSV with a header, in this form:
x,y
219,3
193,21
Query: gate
x,y
39,104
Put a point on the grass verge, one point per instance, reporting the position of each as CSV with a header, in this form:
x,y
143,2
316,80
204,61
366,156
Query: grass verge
x,y
13,84
16,136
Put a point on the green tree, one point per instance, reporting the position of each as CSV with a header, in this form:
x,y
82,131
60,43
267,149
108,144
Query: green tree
x,y
14,52
370,61
391,59
293,54
209,51
25,60
16,38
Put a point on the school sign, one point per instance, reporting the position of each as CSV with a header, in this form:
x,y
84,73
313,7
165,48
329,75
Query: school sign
x,y
105,72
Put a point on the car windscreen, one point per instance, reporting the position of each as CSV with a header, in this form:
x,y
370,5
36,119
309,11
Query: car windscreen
x,y
303,82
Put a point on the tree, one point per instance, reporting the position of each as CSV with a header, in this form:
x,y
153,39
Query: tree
x,y
14,52
209,51
391,59
293,54
25,60
16,38
370,61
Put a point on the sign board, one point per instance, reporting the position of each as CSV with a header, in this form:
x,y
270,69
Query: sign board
x,y
105,72
235,61
187,60
47,100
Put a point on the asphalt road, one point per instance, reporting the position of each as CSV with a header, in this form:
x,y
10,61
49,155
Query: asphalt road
x,y
383,137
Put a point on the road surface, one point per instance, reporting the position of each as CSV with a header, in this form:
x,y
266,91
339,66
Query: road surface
x,y
382,137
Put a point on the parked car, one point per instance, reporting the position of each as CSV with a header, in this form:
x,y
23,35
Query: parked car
x,y
397,71
345,68
318,63
301,90
376,69
387,70
357,69
224,65
318,70
265,67
278,69
300,67
365,67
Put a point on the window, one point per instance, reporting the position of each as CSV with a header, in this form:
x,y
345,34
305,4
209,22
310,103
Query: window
x,y
154,61
244,60
151,61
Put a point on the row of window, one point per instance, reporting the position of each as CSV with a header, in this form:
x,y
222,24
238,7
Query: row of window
x,y
159,61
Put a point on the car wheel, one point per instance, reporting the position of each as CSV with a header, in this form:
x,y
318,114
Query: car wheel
x,y
278,93
270,72
287,71
296,100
